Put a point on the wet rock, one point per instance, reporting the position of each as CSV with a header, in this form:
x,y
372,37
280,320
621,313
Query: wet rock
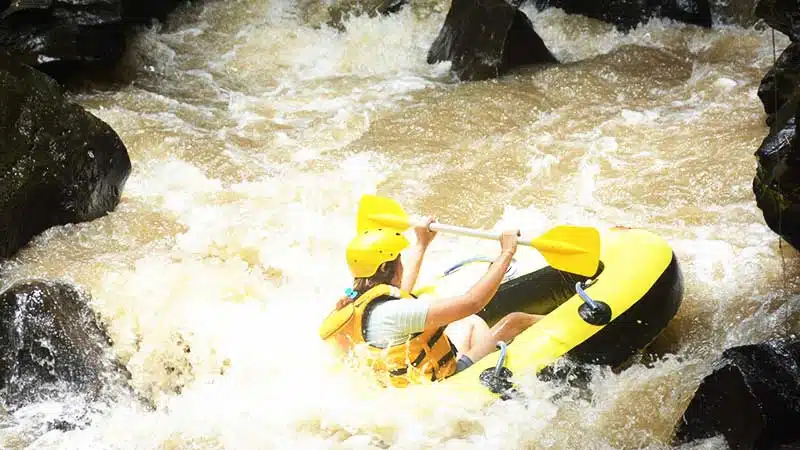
x,y
627,14
61,37
59,164
342,10
777,182
143,11
785,77
51,344
782,15
752,399
487,38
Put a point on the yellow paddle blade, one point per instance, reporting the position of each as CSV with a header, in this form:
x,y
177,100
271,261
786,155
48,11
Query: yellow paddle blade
x,y
376,212
571,249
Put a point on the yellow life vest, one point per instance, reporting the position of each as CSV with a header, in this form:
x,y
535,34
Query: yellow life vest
x,y
424,356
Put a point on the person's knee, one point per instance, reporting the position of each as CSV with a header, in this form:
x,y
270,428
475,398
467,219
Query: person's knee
x,y
459,333
477,322
512,325
518,316
468,333
521,319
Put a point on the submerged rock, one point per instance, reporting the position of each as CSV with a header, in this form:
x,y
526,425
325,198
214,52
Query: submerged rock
x,y
627,14
734,12
487,38
752,399
342,10
59,163
61,37
51,344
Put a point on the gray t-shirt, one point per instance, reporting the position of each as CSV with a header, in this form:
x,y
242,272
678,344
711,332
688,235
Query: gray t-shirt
x,y
394,321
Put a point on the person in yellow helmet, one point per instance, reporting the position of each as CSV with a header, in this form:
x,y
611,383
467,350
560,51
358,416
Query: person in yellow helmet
x,y
413,340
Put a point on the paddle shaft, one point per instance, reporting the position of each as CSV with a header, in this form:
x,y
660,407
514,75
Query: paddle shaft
x,y
569,248
452,229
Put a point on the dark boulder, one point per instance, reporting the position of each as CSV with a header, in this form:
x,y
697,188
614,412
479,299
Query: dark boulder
x,y
51,345
61,37
752,399
776,184
59,163
782,15
487,38
781,82
627,14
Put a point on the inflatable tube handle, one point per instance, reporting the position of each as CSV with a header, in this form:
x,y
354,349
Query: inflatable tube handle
x,y
502,359
593,312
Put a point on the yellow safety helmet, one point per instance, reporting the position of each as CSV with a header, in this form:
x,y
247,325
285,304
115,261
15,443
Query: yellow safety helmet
x,y
371,248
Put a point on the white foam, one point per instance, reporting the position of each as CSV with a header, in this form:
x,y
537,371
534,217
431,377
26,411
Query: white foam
x,y
725,84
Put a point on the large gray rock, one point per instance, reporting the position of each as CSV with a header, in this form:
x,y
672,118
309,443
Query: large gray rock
x,y
752,399
626,14
51,344
781,81
487,38
59,164
777,182
782,15
61,37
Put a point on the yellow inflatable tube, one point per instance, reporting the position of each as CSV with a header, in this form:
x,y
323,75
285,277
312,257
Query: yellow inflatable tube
x,y
638,286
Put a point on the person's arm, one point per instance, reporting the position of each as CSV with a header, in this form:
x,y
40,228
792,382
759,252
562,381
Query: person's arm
x,y
446,311
411,269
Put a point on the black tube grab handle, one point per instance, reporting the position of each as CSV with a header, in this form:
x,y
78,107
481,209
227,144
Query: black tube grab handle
x,y
498,378
593,312
502,359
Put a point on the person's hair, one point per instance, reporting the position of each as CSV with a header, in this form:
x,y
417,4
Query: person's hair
x,y
383,275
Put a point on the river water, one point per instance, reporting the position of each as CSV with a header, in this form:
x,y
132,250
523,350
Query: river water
x,y
253,131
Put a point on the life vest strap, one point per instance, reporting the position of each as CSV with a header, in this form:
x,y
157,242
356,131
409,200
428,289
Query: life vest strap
x,y
404,370
435,337
444,359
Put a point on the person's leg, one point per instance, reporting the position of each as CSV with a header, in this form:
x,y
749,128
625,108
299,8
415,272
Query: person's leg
x,y
512,325
460,333
472,337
